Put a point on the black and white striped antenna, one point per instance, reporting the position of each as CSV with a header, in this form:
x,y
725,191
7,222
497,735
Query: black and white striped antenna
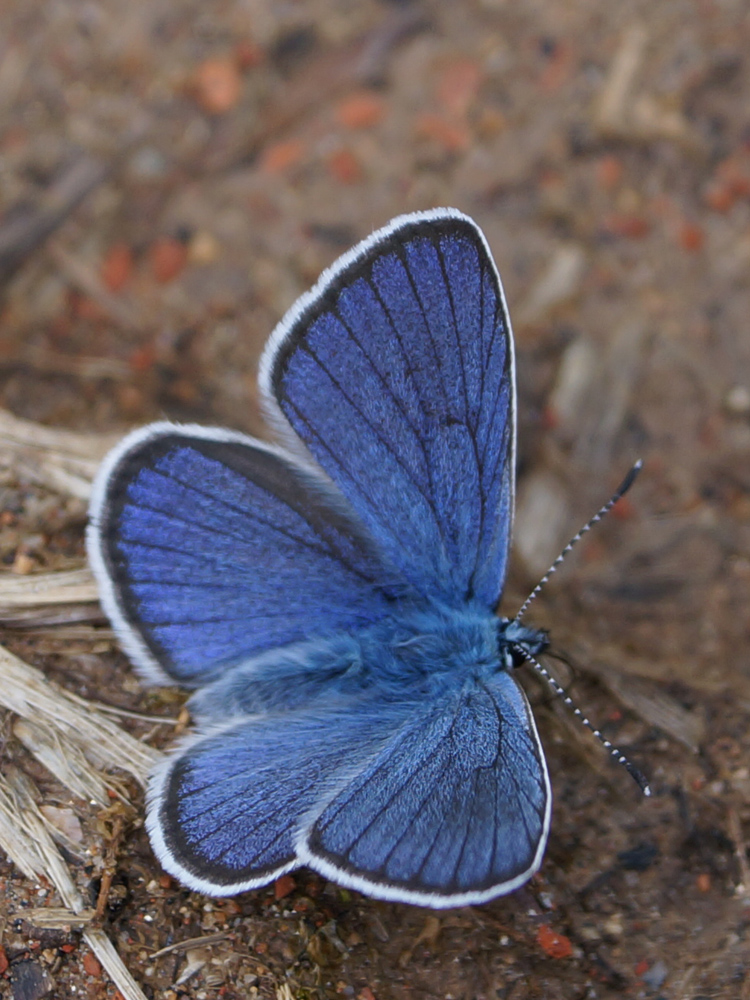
x,y
620,757
637,776
619,492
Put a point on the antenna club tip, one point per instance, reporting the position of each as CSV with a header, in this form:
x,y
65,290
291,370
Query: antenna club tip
x,y
627,481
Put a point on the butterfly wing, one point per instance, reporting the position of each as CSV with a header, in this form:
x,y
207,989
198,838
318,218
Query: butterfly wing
x,y
225,812
453,811
438,805
211,547
396,372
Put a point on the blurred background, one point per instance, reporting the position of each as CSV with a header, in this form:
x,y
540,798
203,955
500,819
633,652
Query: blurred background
x,y
172,176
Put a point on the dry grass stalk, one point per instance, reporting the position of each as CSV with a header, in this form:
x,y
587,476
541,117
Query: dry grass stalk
x,y
59,917
77,743
63,461
42,589
622,113
26,692
65,759
46,861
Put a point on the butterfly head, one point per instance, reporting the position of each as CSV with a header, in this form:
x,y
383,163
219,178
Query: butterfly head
x,y
517,642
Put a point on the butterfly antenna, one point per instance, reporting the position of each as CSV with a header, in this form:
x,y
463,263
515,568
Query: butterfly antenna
x,y
619,492
635,774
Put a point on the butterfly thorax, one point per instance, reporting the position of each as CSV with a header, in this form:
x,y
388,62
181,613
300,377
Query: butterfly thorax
x,y
419,655
431,650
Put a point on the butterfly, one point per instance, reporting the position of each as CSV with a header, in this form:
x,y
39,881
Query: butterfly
x,y
331,598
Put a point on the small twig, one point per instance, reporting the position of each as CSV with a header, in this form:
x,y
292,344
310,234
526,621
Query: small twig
x,y
26,227
190,943
84,278
740,850
55,363
111,851
616,95
58,917
104,886
157,720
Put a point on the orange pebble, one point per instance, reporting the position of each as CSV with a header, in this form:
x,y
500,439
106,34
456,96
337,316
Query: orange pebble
x,y
280,156
691,237
142,360
217,85
703,882
91,965
734,173
452,136
117,267
283,885
609,172
360,110
86,308
557,69
553,944
632,227
458,86
719,196
623,510
345,166
248,54
168,257
550,419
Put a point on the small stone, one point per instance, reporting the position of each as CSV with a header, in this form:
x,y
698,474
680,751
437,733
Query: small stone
x,y
655,975
218,85
148,164
92,966
168,257
612,926
737,401
29,981
203,248
64,820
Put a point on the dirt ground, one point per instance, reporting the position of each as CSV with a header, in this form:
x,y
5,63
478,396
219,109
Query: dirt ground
x,y
172,175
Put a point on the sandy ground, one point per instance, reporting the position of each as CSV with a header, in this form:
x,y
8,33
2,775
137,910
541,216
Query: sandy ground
x,y
172,176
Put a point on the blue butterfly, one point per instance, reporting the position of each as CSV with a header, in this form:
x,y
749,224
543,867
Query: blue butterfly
x,y
332,597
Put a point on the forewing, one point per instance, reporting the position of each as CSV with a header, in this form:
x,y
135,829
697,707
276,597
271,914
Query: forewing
x,y
453,811
396,372
225,812
211,547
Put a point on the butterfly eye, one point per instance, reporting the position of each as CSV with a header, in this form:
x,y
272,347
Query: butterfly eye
x,y
517,642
